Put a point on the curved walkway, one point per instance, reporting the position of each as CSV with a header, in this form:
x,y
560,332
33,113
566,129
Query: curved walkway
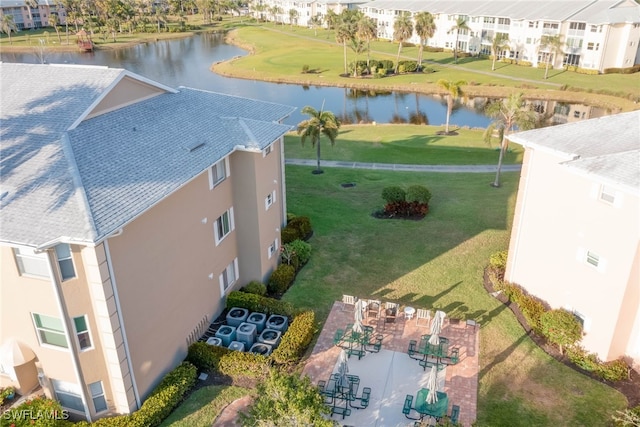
x,y
405,168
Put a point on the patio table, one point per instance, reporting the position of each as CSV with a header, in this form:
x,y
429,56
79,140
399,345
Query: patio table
x,y
437,409
438,351
355,342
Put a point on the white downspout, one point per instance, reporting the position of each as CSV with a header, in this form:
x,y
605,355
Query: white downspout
x,y
282,184
120,319
52,260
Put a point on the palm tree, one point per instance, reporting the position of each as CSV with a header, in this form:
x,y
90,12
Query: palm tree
x,y
293,16
508,113
499,43
8,25
346,31
315,22
454,91
460,25
402,31
367,31
319,123
425,28
553,45
357,46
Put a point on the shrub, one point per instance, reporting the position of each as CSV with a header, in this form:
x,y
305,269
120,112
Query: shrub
x,y
16,416
297,338
406,209
582,359
561,328
255,287
289,234
418,193
498,260
258,303
303,225
205,357
614,370
301,250
630,417
382,72
281,279
393,194
290,216
408,66
305,69
428,70
243,364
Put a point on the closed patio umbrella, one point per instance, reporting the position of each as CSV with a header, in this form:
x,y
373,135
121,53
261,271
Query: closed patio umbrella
x,y
436,327
358,316
432,385
343,369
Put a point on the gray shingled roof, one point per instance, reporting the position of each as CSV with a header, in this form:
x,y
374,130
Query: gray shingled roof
x,y
85,183
591,11
606,147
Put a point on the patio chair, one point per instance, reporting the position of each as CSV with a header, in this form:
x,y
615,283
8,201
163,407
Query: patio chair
x,y
390,312
373,308
364,399
472,323
406,409
321,385
375,346
348,301
412,351
455,414
425,314
345,412
337,337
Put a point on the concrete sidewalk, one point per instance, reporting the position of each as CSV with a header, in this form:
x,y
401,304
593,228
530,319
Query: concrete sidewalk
x,y
405,168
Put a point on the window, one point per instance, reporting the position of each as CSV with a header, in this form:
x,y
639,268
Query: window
x,y
504,21
593,46
97,395
229,276
65,261
217,173
223,225
607,194
267,151
270,199
82,332
577,26
31,263
50,330
273,247
68,395
592,258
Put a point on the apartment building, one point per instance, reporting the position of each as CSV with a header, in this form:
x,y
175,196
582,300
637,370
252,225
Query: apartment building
x,y
128,211
37,15
575,241
595,34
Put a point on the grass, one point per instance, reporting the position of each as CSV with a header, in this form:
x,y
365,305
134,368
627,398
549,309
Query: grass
x,y
280,52
438,263
202,407
405,144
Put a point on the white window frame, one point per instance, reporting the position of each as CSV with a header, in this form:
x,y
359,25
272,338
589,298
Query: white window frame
x,y
225,283
217,226
607,195
69,389
64,259
273,248
267,150
41,329
221,166
86,332
592,259
269,200
26,258
95,394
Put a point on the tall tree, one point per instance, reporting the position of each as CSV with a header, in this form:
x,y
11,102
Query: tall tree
x,y
460,25
367,31
8,26
454,91
293,16
425,28
499,43
346,31
315,21
552,45
402,31
319,123
54,21
332,19
508,113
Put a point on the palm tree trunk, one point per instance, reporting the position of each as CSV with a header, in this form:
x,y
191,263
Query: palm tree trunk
x,y
398,57
318,154
420,55
449,108
546,69
496,182
346,72
368,55
455,48
493,64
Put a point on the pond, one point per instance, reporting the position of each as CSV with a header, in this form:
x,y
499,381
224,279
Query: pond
x,y
186,62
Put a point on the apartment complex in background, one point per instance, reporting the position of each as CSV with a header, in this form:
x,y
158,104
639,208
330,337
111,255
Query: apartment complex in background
x,y
575,241
595,34
128,211
32,16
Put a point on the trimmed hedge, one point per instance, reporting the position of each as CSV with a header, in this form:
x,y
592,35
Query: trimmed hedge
x,y
297,338
259,303
40,405
205,357
407,66
242,364
281,279
393,194
255,287
302,224
289,234
418,193
628,70
301,250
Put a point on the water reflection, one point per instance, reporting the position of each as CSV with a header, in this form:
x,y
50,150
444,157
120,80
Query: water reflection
x,y
187,62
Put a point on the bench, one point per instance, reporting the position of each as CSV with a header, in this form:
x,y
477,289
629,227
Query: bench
x,y
345,412
412,351
407,408
364,399
376,345
337,337
455,414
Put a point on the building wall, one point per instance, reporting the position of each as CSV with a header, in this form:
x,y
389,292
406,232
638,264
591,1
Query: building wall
x,y
559,218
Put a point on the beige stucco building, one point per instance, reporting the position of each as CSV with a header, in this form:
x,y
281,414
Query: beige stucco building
x,y
576,233
129,210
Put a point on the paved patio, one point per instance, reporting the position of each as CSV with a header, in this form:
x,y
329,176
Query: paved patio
x,y
393,375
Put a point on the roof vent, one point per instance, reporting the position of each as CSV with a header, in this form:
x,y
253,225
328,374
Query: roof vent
x,y
194,146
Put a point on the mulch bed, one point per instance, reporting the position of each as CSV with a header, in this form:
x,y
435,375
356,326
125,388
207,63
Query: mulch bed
x,y
381,214
630,387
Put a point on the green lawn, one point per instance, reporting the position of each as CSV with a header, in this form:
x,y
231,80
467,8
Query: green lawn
x,y
405,144
438,262
202,407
